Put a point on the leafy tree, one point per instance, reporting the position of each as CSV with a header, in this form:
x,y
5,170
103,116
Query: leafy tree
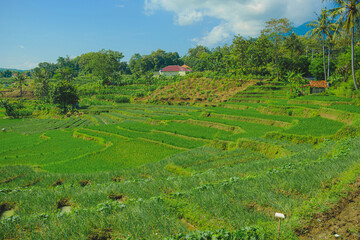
x,y
65,74
42,87
293,43
64,94
141,65
323,27
276,30
240,48
348,12
215,61
7,73
68,63
104,64
197,58
343,62
134,63
258,53
50,67
301,65
10,109
316,67
312,44
124,68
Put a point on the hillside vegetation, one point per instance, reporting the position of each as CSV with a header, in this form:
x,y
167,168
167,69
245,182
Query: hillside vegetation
x,y
142,171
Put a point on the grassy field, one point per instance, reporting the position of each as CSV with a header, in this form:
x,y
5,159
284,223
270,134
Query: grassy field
x,y
139,171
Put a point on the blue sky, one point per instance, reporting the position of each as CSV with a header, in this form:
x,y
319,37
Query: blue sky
x,y
34,31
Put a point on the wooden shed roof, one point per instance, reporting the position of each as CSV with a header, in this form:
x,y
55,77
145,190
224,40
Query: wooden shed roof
x,y
317,84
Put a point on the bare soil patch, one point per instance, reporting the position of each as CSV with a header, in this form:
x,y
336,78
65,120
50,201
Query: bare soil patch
x,y
201,90
342,222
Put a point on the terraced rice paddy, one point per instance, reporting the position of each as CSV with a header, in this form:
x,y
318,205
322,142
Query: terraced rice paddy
x,y
142,171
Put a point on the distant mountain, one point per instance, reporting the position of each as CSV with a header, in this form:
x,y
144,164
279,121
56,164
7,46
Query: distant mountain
x,y
17,70
302,29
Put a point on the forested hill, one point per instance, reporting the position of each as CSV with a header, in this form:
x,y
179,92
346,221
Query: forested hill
x,y
16,70
302,29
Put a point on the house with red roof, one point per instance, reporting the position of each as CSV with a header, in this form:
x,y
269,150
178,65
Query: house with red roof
x,y
175,70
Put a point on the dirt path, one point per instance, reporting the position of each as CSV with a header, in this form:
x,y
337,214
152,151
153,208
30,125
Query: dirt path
x,y
343,222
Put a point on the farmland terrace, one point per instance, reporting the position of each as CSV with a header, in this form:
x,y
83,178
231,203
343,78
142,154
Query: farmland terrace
x,y
144,171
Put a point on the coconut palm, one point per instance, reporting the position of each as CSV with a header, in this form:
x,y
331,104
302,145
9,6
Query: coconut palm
x,y
42,88
333,36
322,27
348,12
20,80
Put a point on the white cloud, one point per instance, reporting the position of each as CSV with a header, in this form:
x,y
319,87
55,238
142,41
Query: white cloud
x,y
120,6
245,17
216,35
28,65
21,46
189,17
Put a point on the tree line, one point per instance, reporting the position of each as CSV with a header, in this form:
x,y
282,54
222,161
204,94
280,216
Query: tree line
x,y
278,50
330,51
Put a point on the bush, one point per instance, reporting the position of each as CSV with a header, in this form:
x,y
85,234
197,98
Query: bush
x,y
15,110
64,94
345,89
122,99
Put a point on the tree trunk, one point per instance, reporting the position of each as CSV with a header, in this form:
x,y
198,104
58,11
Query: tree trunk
x,y
324,57
328,74
277,69
312,54
21,92
352,58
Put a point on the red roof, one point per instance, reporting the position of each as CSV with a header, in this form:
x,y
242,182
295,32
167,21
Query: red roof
x,y
175,68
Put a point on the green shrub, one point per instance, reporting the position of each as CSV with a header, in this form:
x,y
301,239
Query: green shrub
x,y
298,139
15,110
122,99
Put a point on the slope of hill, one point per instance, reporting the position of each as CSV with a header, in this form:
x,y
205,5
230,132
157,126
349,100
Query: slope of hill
x,y
11,69
141,171
302,29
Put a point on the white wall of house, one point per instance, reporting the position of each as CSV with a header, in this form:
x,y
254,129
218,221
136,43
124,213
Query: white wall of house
x,y
180,73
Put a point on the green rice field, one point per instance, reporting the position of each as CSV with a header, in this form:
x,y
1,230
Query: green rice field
x,y
141,171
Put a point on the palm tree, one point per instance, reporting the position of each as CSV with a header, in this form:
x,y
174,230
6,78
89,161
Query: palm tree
x,y
322,27
331,41
42,88
348,12
20,79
